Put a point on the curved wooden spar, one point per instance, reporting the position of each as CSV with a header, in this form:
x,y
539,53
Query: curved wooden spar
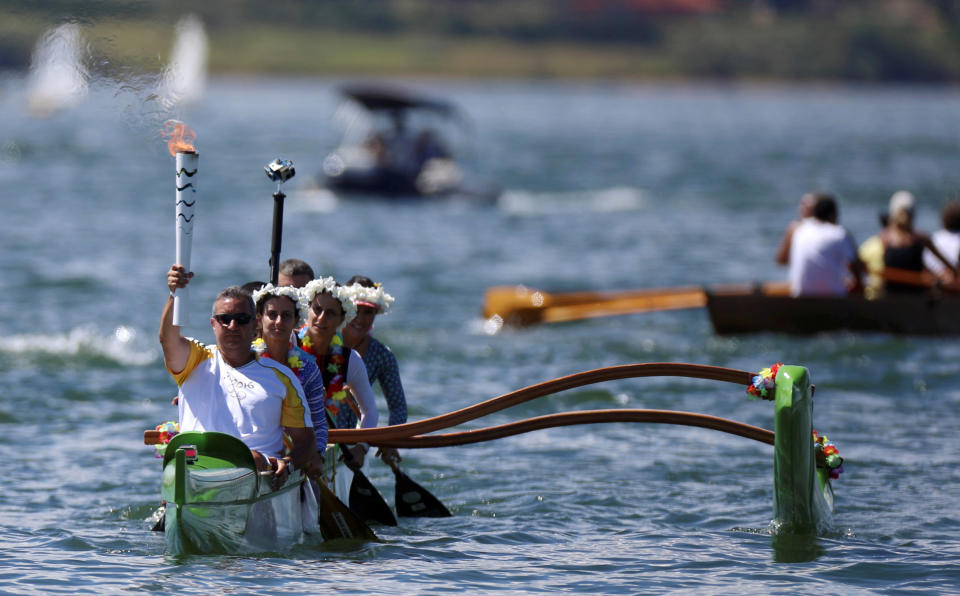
x,y
382,435
586,417
626,371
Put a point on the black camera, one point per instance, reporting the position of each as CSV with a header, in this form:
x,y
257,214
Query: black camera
x,y
280,170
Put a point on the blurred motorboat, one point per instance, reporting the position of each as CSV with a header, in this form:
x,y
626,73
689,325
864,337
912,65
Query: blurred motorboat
x,y
58,75
399,144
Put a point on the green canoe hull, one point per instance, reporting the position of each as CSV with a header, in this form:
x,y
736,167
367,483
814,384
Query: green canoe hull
x,y
217,502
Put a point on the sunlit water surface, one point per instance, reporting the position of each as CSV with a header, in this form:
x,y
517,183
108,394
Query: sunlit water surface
x,y
605,187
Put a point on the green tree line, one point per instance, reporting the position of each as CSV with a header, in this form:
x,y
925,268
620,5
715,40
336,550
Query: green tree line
x,y
849,40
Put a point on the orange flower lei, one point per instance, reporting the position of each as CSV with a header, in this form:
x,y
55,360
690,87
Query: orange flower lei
x,y
336,363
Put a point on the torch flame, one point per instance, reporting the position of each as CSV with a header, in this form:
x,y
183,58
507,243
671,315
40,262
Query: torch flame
x,y
180,137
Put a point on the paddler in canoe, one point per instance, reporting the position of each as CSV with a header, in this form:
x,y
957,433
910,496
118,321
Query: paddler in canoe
x,y
823,254
371,300
230,389
294,272
328,307
278,314
904,246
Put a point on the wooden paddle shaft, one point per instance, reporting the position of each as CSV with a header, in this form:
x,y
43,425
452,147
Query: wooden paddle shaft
x,y
519,305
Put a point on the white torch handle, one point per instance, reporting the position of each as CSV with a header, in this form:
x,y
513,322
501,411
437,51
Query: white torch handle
x,y
186,203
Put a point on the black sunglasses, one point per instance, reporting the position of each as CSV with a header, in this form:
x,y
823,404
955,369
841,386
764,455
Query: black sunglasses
x,y
241,318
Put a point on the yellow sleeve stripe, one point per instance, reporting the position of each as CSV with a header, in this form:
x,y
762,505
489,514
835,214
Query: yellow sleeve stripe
x,y
198,353
293,409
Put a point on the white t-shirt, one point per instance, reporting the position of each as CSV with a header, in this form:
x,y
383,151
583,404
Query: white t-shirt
x,y
948,243
819,255
252,402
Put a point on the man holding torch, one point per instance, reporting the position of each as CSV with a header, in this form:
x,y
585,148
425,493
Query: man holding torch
x,y
229,389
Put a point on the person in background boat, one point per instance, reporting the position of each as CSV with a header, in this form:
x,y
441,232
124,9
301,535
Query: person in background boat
x,y
228,388
327,306
376,147
903,246
946,239
804,211
428,146
871,254
278,314
823,255
294,272
371,300
400,152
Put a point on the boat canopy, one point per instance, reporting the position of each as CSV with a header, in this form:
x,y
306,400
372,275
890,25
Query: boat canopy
x,y
377,98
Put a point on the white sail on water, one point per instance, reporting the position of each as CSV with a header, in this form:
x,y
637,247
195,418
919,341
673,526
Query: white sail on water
x,y
185,77
58,75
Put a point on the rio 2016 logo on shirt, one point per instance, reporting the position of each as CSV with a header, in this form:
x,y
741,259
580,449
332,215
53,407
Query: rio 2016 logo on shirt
x,y
239,386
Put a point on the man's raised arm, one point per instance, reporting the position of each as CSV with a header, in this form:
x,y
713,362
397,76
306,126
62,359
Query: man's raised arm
x,y
176,348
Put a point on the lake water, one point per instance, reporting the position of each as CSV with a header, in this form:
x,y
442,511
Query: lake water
x,y
607,186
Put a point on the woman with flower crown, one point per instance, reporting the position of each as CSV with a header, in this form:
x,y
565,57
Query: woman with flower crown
x,y
278,314
327,306
371,300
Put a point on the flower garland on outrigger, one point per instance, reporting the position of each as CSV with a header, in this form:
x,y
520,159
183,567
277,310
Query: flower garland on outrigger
x,y
216,502
827,455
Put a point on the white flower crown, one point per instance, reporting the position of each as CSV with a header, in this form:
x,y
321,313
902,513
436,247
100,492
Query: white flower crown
x,y
328,285
289,291
375,295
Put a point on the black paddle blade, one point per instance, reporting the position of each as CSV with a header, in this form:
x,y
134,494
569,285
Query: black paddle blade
x,y
161,524
415,501
367,502
337,521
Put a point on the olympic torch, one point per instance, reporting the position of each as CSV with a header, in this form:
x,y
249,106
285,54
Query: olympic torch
x,y
180,144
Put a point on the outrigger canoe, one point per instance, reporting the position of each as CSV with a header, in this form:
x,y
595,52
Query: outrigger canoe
x,y
217,502
737,308
753,309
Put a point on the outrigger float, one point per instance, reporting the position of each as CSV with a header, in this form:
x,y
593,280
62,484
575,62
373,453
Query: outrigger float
x,y
217,502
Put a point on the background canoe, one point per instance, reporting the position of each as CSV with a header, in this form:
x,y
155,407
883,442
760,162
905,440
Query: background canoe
x,y
748,309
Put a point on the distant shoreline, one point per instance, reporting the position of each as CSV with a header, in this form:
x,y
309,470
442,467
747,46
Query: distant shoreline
x,y
724,52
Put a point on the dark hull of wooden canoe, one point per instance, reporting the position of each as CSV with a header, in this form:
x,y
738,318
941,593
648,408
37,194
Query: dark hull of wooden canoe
x,y
753,311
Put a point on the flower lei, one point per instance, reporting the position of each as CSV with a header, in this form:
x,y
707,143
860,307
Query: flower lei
x,y
764,383
827,455
167,431
336,362
289,291
330,286
375,295
293,357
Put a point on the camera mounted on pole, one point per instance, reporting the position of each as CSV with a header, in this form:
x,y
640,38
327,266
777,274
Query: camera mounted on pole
x,y
279,170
